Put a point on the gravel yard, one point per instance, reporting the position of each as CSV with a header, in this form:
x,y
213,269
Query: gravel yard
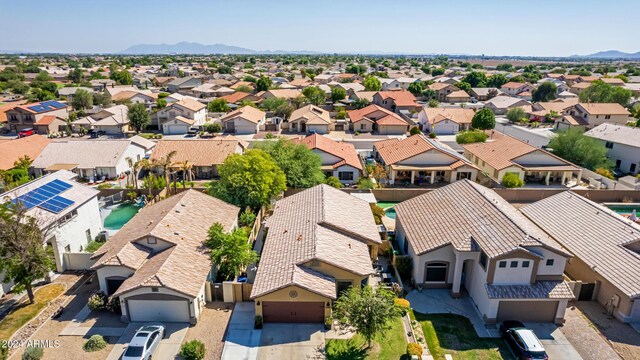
x,y
211,328
586,339
624,339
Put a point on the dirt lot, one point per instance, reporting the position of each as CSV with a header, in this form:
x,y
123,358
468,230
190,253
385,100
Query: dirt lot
x,y
211,328
70,346
624,339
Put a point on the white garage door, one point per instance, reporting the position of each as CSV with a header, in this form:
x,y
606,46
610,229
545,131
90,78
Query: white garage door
x,y
177,129
159,310
319,129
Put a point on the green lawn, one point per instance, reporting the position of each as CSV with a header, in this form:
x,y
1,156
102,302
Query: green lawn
x,y
454,334
24,312
389,345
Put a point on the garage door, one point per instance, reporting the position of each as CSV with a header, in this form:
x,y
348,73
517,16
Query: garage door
x,y
532,311
159,310
177,129
292,312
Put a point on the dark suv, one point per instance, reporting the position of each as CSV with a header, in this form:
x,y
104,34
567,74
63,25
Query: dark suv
x,y
523,342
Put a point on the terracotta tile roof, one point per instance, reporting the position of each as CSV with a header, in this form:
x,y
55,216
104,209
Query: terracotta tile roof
x,y
6,107
311,225
362,114
189,104
12,150
440,85
458,94
400,98
46,120
393,151
459,116
604,109
283,93
594,234
513,85
391,120
246,112
367,95
575,120
198,152
236,97
183,221
346,152
313,114
539,290
499,150
242,83
463,211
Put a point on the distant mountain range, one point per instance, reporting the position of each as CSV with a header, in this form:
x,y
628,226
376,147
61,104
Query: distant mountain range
x,y
185,47
611,54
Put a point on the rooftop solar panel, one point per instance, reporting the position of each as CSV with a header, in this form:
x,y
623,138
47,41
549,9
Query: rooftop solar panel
x,y
44,194
56,204
46,106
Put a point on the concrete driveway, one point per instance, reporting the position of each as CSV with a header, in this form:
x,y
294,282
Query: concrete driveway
x,y
242,340
168,348
291,341
554,341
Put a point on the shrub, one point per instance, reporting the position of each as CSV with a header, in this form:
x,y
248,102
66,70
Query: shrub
x,y
334,182
270,136
378,213
33,353
97,301
404,265
605,172
95,343
113,305
257,322
414,131
432,135
414,349
472,136
512,180
93,246
365,183
402,305
4,351
213,128
247,218
516,114
105,186
327,323
192,350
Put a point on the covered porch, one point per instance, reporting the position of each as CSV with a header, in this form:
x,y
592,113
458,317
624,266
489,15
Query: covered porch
x,y
549,175
428,175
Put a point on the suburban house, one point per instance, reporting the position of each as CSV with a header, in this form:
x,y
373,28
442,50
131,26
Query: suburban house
x,y
390,84
339,159
514,88
503,154
465,236
288,94
246,120
239,96
312,252
395,101
67,213
183,84
622,144
145,97
310,119
28,115
179,116
202,155
422,161
157,264
93,159
13,150
597,113
484,94
442,90
50,124
459,96
605,249
112,120
374,118
501,104
445,121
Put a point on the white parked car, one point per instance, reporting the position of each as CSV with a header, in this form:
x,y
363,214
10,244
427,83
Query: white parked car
x,y
144,343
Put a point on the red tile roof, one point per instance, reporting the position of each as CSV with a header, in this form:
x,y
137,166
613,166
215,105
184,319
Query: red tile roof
x,y
401,98
345,151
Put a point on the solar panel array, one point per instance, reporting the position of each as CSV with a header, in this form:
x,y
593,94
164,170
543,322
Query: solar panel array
x,y
46,106
47,197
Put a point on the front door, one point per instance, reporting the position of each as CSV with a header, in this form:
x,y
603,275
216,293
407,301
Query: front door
x,y
303,127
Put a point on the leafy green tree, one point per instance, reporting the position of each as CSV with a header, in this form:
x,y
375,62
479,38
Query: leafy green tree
x,y
371,83
161,103
302,167
314,95
102,99
361,103
573,146
218,105
463,85
244,88
337,94
497,80
263,84
82,99
23,258
138,116
230,252
601,92
484,119
415,131
504,67
437,71
251,179
76,75
18,175
416,88
516,114
429,94
476,79
334,182
545,92
368,311
271,104
512,180
122,77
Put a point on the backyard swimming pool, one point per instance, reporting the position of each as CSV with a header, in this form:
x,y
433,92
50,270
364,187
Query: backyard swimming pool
x,y
388,209
624,209
120,215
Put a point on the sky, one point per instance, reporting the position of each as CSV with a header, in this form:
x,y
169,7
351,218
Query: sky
x,y
490,27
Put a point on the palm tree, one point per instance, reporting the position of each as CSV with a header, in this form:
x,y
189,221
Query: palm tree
x,y
165,163
185,167
137,166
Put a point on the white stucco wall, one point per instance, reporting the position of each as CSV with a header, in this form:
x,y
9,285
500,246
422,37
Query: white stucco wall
x,y
111,271
510,275
347,168
559,262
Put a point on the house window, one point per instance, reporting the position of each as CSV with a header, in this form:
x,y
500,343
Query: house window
x,y
154,289
463,175
549,262
436,272
502,264
608,145
483,260
514,264
67,248
618,163
345,175
363,126
607,117
152,240
525,264
88,234
343,286
632,168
